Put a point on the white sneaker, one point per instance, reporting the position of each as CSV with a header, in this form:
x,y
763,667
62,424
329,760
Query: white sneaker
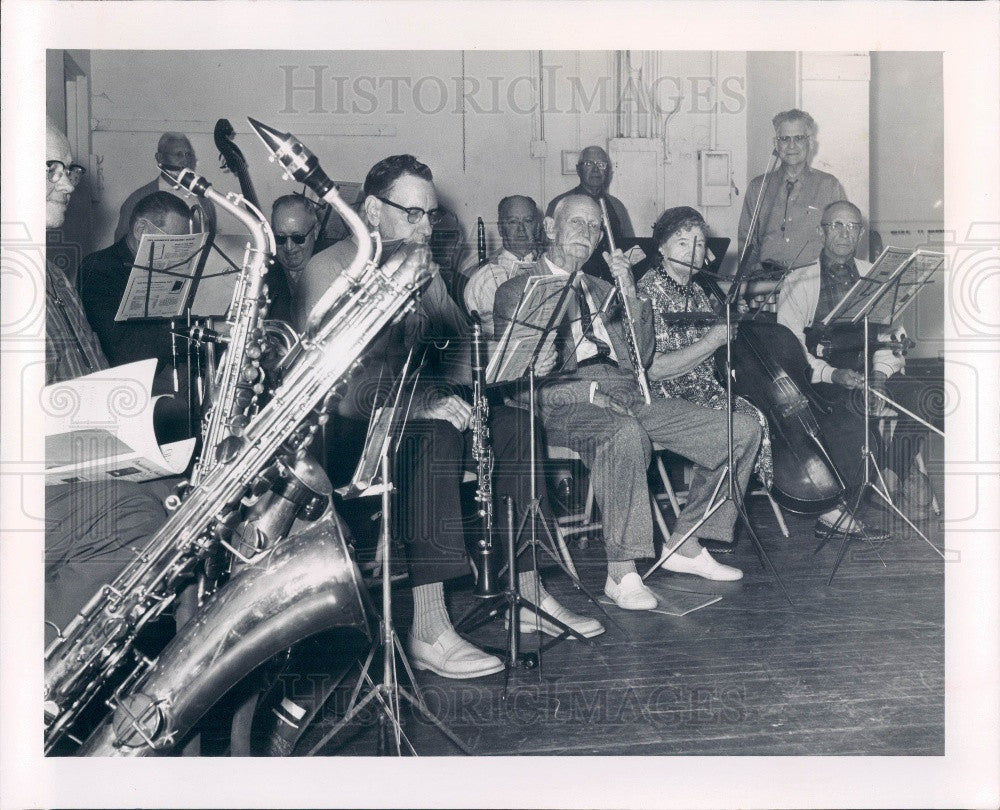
x,y
631,593
704,565
583,625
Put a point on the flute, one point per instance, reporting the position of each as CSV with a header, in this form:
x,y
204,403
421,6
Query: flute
x,y
630,337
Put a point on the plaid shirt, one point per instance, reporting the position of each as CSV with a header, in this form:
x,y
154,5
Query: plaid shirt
x,y
71,347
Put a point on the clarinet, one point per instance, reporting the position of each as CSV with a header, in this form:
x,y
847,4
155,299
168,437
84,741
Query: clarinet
x,y
482,452
481,241
638,369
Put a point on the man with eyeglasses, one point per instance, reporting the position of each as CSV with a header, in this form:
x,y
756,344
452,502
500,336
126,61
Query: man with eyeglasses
x,y
807,296
595,172
400,201
173,151
589,401
794,197
90,527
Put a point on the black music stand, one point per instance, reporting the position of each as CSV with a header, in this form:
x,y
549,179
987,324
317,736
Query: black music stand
x,y
885,293
541,310
388,691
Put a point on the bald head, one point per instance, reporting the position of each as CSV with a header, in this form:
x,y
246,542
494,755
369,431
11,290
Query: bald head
x,y
843,226
573,231
594,169
519,222
293,218
175,150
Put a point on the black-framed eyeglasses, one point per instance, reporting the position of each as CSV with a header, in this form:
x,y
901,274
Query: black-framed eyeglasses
x,y
594,164
55,170
840,228
414,214
786,140
297,238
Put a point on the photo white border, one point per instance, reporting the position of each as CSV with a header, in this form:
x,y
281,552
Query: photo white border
x,y
967,775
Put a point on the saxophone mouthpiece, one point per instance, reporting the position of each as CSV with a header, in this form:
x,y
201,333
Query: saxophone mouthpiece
x,y
185,178
301,163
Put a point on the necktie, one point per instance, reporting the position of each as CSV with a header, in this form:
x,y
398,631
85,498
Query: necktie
x,y
789,186
587,321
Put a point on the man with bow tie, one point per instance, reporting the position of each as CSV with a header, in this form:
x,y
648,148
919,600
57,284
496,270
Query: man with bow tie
x,y
591,403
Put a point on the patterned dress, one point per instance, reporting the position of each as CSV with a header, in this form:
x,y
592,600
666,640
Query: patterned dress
x,y
698,385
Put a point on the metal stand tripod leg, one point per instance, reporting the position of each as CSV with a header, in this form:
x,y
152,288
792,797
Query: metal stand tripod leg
x,y
387,694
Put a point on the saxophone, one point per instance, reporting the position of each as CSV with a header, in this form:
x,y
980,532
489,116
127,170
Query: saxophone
x,y
239,380
281,595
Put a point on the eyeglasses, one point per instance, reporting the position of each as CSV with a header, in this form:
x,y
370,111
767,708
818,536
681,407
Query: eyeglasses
x,y
55,170
297,238
787,140
594,164
413,215
840,228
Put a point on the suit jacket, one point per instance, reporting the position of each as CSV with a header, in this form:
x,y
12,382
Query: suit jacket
x,y
509,295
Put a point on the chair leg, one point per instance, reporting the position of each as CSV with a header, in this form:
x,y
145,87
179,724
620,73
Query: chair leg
x,y
564,550
667,486
660,520
918,459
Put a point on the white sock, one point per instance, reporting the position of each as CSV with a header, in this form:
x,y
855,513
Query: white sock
x,y
526,583
430,615
617,569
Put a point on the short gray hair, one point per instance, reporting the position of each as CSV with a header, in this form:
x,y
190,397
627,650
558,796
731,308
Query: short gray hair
x,y
789,116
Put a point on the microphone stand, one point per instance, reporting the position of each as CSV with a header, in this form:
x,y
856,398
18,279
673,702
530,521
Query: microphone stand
x,y
755,214
732,492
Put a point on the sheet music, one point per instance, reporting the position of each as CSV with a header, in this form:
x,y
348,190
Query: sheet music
x,y
852,307
161,278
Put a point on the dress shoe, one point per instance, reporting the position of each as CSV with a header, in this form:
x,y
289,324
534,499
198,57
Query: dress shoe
x,y
849,526
704,565
630,593
586,627
451,656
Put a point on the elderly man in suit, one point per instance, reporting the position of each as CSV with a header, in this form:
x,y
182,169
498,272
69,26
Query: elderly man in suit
x,y
591,403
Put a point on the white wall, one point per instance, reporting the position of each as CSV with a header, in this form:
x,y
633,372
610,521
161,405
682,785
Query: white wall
x,y
479,151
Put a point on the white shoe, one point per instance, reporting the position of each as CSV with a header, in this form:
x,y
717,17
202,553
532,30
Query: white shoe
x,y
630,593
585,626
451,656
704,565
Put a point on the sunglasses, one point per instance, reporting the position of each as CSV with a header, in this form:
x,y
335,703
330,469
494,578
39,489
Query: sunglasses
x,y
413,215
297,238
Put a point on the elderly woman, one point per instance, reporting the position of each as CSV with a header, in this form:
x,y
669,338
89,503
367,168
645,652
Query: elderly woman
x,y
684,366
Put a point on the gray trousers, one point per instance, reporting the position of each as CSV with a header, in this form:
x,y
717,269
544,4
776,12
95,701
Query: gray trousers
x,y
618,448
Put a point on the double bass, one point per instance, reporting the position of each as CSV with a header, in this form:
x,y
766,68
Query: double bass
x,y
770,370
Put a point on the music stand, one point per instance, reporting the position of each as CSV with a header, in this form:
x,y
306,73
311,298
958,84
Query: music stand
x,y
542,307
388,692
885,292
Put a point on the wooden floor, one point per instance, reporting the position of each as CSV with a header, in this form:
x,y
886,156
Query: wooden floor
x,y
856,667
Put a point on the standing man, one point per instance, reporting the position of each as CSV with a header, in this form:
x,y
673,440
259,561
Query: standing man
x,y
794,196
400,201
520,224
594,170
173,151
592,404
